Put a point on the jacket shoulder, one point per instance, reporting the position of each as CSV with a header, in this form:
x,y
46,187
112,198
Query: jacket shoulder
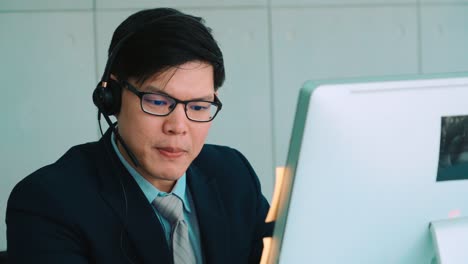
x,y
76,159
73,169
227,165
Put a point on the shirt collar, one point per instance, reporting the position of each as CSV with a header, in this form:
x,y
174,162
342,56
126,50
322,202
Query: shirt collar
x,y
150,191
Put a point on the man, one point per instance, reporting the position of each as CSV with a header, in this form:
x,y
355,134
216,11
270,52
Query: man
x,y
149,191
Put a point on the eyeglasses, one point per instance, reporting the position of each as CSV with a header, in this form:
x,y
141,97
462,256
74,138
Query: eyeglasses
x,y
159,104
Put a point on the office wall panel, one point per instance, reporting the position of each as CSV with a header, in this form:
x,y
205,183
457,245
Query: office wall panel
x,y
444,31
15,5
177,3
245,120
324,43
277,3
47,78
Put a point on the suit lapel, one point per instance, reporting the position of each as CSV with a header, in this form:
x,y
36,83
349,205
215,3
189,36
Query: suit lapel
x,y
125,197
212,219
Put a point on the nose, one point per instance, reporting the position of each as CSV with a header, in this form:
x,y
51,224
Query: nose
x,y
176,122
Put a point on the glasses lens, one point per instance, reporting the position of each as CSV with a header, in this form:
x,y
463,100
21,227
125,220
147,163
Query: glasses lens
x,y
201,110
157,104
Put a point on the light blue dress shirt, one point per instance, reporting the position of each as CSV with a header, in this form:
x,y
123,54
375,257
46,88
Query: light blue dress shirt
x,y
181,191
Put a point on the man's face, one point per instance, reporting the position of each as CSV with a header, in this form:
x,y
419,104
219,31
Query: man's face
x,y
166,145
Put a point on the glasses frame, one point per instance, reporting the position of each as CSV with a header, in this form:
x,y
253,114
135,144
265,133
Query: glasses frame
x,y
140,95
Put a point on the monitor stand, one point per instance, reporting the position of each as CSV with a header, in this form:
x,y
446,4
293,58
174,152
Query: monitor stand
x,y
450,240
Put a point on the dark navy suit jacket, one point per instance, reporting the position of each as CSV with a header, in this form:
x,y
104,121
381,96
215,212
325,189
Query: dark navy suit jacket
x,y
86,208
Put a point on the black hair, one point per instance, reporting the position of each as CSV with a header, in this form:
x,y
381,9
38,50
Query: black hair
x,y
160,39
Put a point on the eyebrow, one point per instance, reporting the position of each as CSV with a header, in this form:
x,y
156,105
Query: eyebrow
x,y
154,89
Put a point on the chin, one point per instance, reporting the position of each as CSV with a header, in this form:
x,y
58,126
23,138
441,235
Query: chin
x,y
168,174
172,176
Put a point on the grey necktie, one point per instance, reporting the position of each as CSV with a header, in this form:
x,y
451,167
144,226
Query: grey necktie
x,y
171,208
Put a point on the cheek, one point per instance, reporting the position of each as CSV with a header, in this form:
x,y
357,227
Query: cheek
x,y
128,110
137,127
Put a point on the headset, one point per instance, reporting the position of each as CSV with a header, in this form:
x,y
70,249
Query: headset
x,y
107,95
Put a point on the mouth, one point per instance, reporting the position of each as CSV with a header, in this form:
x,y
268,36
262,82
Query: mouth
x,y
170,152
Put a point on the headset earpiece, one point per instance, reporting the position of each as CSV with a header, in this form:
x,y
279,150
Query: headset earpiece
x,y
108,99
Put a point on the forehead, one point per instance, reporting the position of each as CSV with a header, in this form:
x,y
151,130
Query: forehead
x,y
192,78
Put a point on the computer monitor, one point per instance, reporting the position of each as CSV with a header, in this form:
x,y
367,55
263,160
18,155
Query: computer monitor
x,y
371,164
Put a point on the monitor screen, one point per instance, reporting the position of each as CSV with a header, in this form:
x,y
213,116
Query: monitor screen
x,y
371,164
